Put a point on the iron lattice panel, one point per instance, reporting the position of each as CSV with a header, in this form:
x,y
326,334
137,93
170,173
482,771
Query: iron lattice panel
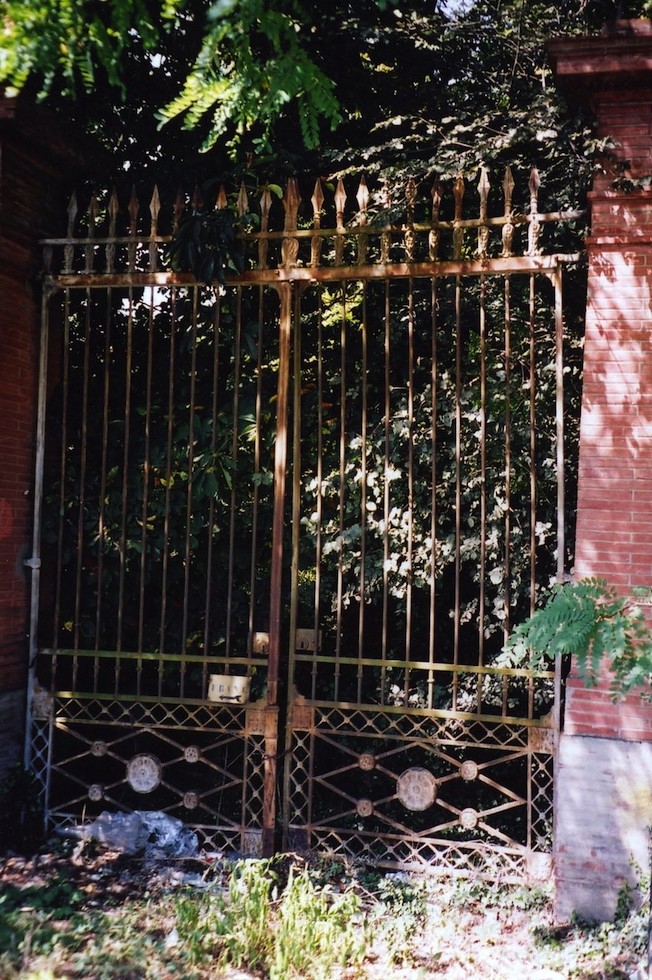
x,y
202,764
491,789
433,856
427,725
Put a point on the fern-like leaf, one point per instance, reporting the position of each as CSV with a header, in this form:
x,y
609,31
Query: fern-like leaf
x,y
594,623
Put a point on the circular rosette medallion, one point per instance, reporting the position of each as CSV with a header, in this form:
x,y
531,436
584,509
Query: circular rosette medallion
x,y
469,818
469,770
364,808
144,773
416,788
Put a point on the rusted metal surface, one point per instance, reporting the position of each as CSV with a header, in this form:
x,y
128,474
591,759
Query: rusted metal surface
x,y
395,270
328,473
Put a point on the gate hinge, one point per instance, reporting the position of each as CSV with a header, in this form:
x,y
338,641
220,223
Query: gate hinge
x,y
32,563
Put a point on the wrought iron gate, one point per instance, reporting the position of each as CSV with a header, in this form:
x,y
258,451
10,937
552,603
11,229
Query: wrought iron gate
x,y
340,477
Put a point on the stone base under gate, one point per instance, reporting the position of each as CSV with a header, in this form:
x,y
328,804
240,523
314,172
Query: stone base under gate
x,y
603,801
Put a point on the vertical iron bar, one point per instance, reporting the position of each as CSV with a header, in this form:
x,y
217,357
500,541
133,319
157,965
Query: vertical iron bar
x,y
146,479
458,242
168,488
320,477
559,422
533,473
458,481
234,463
363,494
65,385
433,493
211,506
296,483
342,472
410,503
483,242
257,462
280,472
483,482
276,583
386,494
125,486
83,459
34,562
108,348
559,430
533,450
189,490
508,453
530,762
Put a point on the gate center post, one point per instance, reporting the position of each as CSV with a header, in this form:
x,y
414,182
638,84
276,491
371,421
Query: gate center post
x,y
284,290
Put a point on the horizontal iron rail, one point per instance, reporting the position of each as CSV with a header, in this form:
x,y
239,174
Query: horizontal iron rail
x,y
393,270
61,695
308,658
195,658
353,231
428,665
430,713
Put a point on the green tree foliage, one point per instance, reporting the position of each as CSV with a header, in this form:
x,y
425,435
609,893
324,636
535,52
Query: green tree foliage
x,y
248,62
251,64
591,621
64,41
414,86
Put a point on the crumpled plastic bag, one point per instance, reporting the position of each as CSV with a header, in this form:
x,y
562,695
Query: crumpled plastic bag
x,y
155,834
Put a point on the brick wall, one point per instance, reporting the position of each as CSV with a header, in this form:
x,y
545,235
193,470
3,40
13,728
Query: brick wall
x,y
39,162
603,789
614,520
18,374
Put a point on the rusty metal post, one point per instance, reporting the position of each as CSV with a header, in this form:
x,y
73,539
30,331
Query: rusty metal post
x,y
276,584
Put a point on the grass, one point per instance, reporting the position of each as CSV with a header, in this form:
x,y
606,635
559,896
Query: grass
x,y
97,917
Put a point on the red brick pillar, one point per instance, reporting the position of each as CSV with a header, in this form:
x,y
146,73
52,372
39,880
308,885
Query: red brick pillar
x,y
604,779
40,159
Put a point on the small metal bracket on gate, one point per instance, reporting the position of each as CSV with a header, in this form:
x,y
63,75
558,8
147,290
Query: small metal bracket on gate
x,y
302,715
542,740
33,563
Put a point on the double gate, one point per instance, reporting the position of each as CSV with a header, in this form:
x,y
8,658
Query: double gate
x,y
283,526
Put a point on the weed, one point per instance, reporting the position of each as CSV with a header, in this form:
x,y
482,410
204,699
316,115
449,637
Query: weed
x,y
399,916
301,930
489,894
316,931
624,903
